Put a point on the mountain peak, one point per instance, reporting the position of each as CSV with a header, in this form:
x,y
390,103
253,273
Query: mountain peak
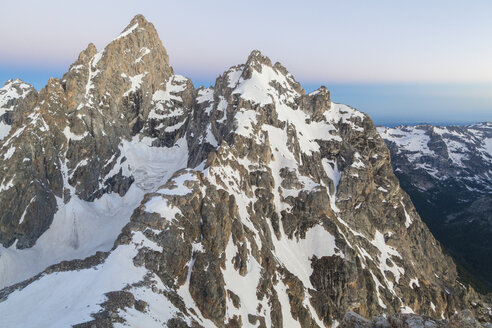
x,y
138,24
256,57
138,19
15,96
86,54
141,43
135,57
15,82
255,61
258,77
14,89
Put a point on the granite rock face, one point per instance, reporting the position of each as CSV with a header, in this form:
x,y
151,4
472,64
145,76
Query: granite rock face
x,y
66,142
250,203
447,171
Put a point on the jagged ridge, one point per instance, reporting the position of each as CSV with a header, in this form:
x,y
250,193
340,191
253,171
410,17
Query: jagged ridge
x,y
282,208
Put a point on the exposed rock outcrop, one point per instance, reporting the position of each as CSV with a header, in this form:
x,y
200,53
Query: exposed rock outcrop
x,y
257,204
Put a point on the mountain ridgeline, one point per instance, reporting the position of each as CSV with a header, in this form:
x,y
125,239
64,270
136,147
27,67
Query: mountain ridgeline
x,y
130,198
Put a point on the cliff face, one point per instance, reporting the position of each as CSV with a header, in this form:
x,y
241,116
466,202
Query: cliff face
x,y
249,203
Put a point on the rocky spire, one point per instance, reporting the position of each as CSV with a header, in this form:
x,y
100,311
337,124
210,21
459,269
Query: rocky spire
x,y
135,57
256,59
104,98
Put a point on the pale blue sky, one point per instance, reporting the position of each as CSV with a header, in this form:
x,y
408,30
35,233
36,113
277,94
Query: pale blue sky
x,y
400,61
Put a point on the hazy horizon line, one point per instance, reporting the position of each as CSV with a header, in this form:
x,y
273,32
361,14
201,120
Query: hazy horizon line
x,y
201,81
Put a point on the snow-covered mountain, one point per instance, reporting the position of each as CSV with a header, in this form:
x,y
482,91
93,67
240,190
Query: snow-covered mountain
x,y
129,198
462,154
447,171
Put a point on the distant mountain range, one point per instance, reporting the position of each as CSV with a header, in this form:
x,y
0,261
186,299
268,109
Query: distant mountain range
x,y
447,171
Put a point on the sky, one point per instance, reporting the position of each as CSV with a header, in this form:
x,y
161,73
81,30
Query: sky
x,y
400,61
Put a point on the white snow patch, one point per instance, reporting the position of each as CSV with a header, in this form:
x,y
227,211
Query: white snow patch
x,y
257,88
4,130
180,188
334,174
205,95
296,254
245,120
378,293
71,136
152,166
283,297
414,282
243,286
233,76
159,309
144,52
386,252
408,219
25,211
9,153
406,309
73,295
136,81
174,127
488,145
209,137
159,205
92,74
127,32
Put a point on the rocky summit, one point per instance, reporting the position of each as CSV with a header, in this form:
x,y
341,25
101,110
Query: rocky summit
x,y
447,171
131,199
